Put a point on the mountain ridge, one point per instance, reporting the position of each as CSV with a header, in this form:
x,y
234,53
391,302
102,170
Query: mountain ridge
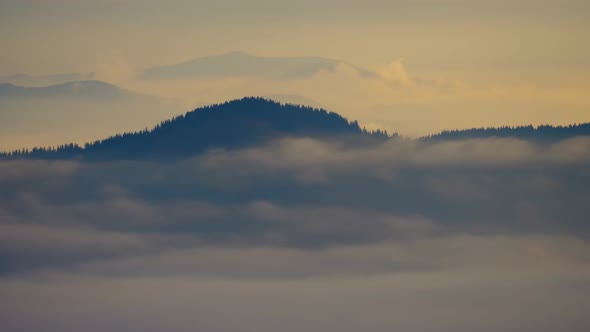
x,y
27,80
240,64
252,121
541,133
90,89
229,125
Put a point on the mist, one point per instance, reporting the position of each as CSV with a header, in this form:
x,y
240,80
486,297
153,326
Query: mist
x,y
466,233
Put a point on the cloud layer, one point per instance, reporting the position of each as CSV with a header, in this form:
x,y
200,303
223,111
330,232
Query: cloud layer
x,y
301,234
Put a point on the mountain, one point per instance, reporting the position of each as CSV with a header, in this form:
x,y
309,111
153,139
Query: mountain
x,y
70,90
75,112
238,64
43,80
542,134
234,124
254,120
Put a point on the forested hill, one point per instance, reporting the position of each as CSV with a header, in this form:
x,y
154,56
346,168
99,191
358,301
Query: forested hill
x,y
540,134
233,124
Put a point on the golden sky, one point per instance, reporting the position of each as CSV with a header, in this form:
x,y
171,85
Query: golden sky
x,y
440,64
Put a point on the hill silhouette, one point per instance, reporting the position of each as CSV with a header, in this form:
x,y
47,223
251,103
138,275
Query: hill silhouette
x,y
234,124
254,120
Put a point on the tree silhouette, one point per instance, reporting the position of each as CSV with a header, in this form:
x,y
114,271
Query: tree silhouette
x,y
541,134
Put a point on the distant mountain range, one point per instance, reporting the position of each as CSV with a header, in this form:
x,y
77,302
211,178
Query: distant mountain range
x,y
232,64
76,111
91,90
238,64
43,80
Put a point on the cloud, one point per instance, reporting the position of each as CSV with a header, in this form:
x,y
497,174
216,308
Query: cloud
x,y
513,284
311,194
476,235
395,71
114,68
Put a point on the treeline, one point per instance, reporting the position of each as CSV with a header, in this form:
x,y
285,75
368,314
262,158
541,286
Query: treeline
x,y
232,124
543,133
59,152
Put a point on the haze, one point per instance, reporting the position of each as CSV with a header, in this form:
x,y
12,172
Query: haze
x,y
438,64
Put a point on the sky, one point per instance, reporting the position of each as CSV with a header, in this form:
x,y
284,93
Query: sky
x,y
439,64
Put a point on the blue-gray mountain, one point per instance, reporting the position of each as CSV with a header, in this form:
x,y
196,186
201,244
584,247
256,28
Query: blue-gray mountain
x,y
89,90
43,80
234,124
78,111
238,64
